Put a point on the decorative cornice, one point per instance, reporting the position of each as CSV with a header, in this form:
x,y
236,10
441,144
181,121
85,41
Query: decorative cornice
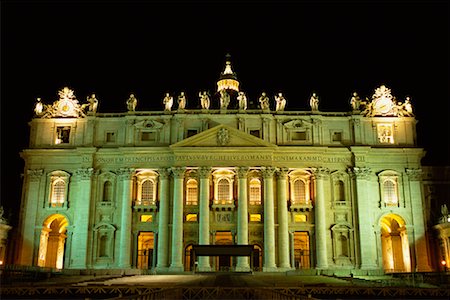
x,y
84,173
282,173
242,172
125,173
35,174
204,172
268,172
320,173
361,172
414,174
178,172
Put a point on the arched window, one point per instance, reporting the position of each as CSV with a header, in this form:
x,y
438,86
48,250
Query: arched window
x,y
298,192
223,190
255,192
107,191
191,192
390,192
147,192
339,191
58,193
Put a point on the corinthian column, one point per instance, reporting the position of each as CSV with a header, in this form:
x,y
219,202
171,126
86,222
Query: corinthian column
x,y
203,236
366,231
420,240
242,225
176,264
28,219
163,221
320,218
269,221
283,233
126,177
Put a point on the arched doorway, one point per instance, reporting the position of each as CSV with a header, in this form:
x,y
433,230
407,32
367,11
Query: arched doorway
x,y
52,241
394,244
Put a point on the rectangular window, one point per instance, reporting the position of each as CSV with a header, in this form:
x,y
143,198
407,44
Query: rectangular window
x,y
191,192
255,217
337,136
298,135
385,133
191,132
299,218
191,218
146,218
148,136
110,137
62,135
255,132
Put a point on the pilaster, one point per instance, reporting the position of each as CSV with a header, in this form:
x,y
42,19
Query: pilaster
x,y
126,178
177,220
269,221
163,221
420,238
320,218
283,233
203,239
81,218
242,224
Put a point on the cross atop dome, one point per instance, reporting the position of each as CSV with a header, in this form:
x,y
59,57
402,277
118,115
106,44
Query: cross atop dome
x,y
228,80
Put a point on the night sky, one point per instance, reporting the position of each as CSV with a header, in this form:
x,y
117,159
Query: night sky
x,y
114,48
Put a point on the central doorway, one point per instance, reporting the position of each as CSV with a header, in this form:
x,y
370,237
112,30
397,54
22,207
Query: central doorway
x,y
223,262
145,250
301,250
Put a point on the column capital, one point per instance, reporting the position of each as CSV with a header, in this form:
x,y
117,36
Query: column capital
x,y
164,173
84,173
362,173
178,172
414,174
125,173
320,173
268,172
282,173
242,172
204,172
35,174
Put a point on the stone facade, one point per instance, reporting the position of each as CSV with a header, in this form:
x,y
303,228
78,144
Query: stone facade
x,y
309,189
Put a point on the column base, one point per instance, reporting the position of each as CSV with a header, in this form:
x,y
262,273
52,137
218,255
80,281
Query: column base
x,y
242,268
369,267
270,269
285,269
161,269
204,268
176,268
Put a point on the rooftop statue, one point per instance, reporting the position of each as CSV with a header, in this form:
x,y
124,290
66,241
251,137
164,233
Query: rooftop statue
x,y
204,100
264,101
405,109
92,104
168,102
182,101
39,108
131,103
280,102
224,99
242,99
355,102
314,102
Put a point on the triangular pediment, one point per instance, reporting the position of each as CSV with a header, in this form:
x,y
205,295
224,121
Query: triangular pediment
x,y
222,136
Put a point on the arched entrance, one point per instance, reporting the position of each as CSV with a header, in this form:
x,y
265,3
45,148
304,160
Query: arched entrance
x,y
52,241
394,244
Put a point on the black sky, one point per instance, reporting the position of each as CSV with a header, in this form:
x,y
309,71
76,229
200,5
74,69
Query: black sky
x,y
114,48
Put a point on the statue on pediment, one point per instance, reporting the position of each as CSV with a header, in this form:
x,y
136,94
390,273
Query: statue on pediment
x,y
355,102
39,107
182,101
280,102
404,109
93,103
131,103
168,102
204,100
264,101
314,102
224,99
242,101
